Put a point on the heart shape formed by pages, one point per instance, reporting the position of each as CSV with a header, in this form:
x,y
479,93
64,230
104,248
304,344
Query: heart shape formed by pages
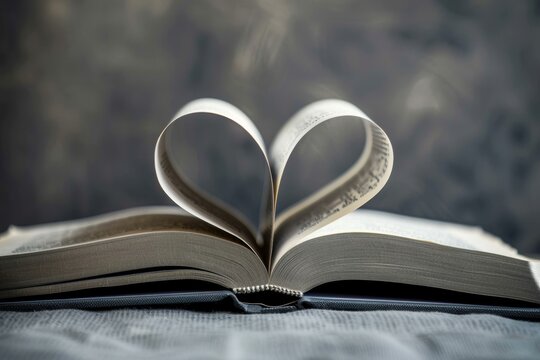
x,y
363,180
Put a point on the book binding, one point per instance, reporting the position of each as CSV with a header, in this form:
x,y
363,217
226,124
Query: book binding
x,y
267,287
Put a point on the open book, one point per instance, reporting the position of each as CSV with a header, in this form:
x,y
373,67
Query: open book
x,y
322,239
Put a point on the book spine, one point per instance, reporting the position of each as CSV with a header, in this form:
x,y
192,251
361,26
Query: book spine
x,y
267,287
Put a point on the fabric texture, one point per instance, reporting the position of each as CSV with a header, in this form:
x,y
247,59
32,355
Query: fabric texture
x,y
305,334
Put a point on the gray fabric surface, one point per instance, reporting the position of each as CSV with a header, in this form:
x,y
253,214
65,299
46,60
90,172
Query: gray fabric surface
x,y
307,334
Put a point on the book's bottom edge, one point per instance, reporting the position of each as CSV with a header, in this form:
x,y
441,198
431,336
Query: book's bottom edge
x,y
225,300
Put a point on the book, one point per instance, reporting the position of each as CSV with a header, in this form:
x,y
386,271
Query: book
x,y
323,239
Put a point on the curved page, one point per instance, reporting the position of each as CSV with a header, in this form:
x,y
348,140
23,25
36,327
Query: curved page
x,y
193,200
366,177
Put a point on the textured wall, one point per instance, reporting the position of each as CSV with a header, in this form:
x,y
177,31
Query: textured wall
x,y
86,87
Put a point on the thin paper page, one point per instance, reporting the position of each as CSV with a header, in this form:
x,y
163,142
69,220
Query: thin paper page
x,y
201,205
70,233
366,177
381,223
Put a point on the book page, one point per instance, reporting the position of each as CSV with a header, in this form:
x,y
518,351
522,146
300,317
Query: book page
x,y
204,206
133,241
432,231
18,240
366,177
370,245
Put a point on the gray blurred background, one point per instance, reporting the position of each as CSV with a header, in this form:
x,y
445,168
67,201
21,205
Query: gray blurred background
x,y
86,87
